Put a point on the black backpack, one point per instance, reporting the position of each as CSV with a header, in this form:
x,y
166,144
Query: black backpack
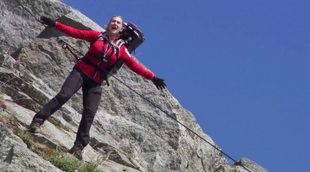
x,y
132,36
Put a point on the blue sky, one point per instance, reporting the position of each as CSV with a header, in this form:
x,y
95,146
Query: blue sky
x,y
241,67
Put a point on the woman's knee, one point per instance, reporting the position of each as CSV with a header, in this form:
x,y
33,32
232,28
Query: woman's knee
x,y
62,98
89,112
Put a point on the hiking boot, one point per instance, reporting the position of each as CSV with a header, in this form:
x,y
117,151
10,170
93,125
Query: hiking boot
x,y
77,151
34,127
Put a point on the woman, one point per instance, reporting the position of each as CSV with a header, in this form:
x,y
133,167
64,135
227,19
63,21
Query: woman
x,y
87,73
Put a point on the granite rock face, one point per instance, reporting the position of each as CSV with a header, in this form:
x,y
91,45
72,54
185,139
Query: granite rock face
x,y
128,133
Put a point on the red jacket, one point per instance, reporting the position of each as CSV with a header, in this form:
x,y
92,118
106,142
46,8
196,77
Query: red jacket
x,y
95,49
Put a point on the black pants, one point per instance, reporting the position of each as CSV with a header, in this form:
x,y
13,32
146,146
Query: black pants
x,y
91,99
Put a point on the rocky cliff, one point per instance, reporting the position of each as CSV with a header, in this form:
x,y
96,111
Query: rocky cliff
x,y
128,133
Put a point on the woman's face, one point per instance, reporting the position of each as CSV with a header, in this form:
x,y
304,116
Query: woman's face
x,y
115,25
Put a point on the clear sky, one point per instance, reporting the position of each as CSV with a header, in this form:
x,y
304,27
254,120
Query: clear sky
x,y
240,66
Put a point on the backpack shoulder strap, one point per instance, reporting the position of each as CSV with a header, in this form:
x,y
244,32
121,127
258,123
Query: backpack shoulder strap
x,y
118,45
102,36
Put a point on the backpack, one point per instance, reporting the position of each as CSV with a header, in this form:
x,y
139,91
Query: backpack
x,y
132,36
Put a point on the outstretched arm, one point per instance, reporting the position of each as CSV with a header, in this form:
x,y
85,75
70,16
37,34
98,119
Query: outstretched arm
x,y
87,35
139,69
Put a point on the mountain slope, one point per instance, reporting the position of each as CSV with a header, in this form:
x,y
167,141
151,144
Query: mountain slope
x,y
128,133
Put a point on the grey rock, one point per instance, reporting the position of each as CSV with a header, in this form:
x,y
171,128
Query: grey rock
x,y
15,156
18,28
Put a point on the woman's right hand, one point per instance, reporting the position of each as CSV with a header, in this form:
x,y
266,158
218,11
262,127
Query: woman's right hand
x,y
48,21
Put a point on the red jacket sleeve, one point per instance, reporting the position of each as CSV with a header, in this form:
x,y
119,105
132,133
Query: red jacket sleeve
x,y
129,61
87,35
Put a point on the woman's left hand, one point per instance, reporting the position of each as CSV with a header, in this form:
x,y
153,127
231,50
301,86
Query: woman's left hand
x,y
159,83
